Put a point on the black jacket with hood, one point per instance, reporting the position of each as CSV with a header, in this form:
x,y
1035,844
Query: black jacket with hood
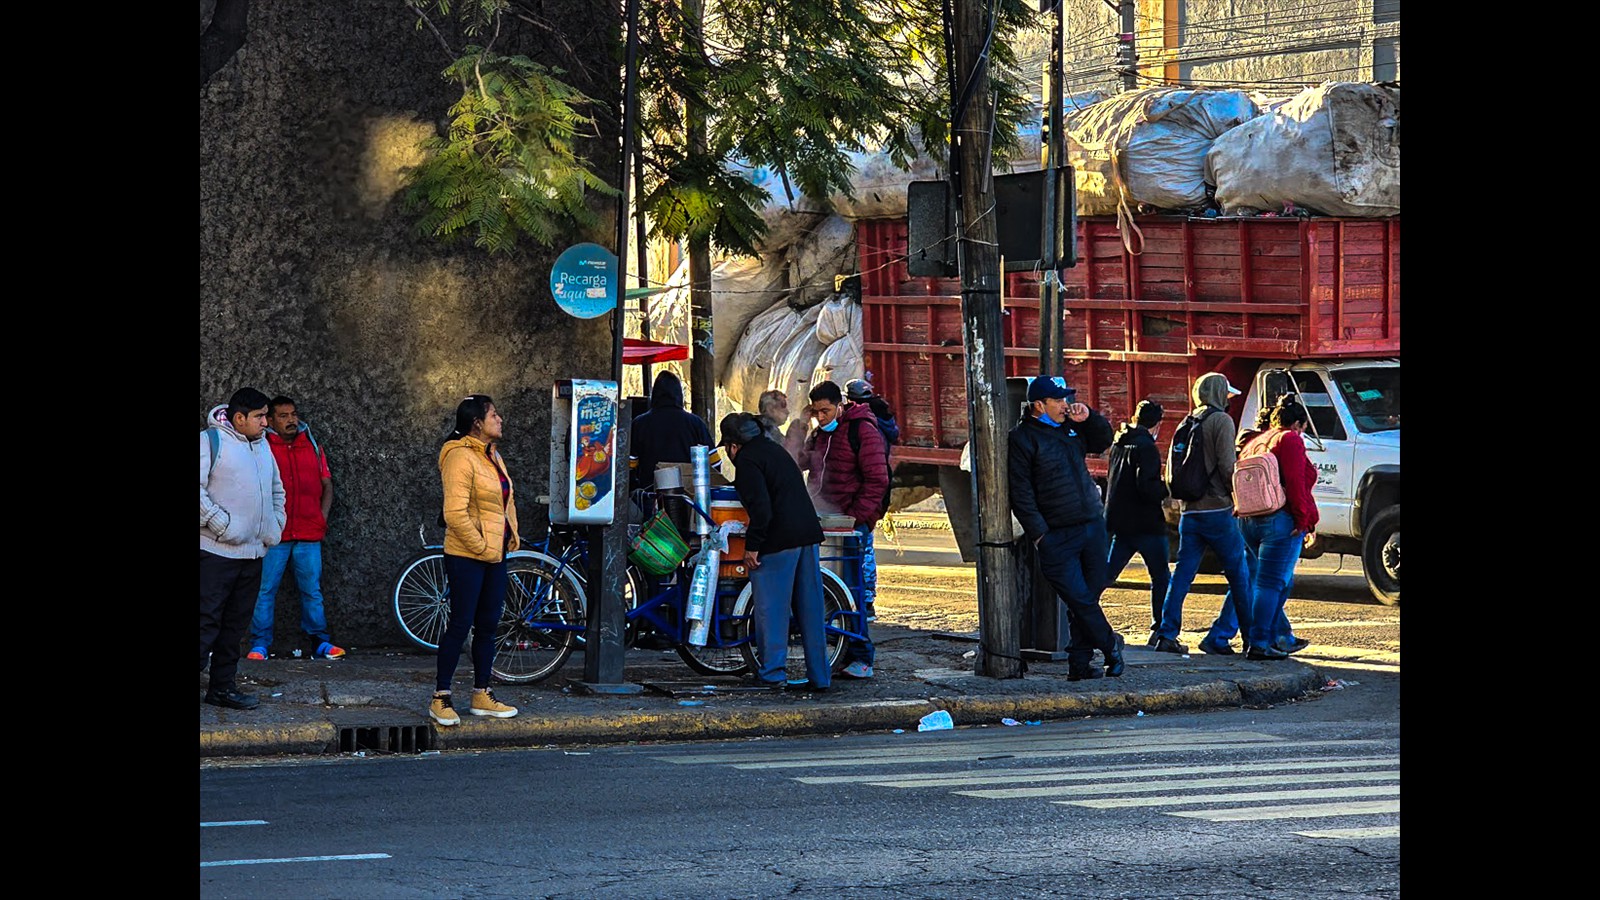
x,y
665,432
1134,489
1049,482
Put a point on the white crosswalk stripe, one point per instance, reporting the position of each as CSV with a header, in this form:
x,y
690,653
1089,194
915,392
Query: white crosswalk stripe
x,y
1254,788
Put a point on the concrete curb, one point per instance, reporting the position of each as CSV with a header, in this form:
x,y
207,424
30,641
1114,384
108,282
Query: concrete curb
x,y
800,718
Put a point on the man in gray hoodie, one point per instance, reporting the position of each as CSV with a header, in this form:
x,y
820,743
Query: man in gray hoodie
x,y
241,515
1209,521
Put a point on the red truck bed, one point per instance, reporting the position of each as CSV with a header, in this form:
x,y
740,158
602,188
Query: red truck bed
x,y
1205,294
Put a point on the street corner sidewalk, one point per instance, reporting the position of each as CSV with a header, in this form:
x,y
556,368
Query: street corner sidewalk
x,y
375,700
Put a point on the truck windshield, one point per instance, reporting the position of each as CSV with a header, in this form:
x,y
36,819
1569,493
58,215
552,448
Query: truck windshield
x,y
1373,396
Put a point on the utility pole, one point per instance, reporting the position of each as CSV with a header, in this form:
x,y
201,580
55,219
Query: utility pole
x,y
1127,54
643,252
978,256
702,348
1052,151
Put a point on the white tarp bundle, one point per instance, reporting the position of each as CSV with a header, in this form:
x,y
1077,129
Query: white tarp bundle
x,y
1333,149
839,330
1149,147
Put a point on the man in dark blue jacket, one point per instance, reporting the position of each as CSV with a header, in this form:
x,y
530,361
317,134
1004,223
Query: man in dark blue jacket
x,y
780,552
1058,504
665,432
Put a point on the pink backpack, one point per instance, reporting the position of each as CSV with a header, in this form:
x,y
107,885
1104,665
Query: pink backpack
x,y
1257,485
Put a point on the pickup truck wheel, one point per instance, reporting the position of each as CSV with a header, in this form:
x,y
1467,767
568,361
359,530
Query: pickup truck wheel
x,y
1380,556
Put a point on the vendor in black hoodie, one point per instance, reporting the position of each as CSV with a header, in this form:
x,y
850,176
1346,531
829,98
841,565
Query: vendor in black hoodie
x,y
665,432
1134,491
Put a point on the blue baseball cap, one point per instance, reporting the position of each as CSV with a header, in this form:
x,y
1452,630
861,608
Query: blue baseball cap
x,y
1046,387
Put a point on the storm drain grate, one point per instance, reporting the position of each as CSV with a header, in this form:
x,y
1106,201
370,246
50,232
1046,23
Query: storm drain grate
x,y
386,738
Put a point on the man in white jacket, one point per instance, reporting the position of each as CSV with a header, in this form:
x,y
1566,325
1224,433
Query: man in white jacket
x,y
241,515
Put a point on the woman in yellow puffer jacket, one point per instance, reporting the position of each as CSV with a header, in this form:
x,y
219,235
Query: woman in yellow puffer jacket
x,y
480,517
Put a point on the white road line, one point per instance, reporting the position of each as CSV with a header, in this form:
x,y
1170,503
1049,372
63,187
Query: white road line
x,y
1314,794
1120,750
1282,779
240,822
1086,773
292,859
1381,831
1306,811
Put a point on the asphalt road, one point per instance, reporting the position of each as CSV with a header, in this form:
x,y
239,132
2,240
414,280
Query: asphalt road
x,y
1295,801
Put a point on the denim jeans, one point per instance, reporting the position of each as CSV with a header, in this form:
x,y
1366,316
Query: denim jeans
x,y
1152,548
1226,627
1276,545
863,649
1073,560
789,583
1196,531
477,597
306,558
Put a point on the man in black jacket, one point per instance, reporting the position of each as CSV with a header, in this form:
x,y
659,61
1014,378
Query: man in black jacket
x,y
780,552
665,432
1134,491
1059,507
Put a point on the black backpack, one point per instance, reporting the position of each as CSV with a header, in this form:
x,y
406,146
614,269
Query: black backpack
x,y
853,432
1187,471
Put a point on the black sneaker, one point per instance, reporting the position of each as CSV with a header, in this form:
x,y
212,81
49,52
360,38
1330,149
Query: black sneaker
x,y
1168,645
1114,657
232,699
1297,645
1088,674
1265,653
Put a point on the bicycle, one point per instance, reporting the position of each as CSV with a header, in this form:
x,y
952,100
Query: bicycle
x,y
842,617
421,600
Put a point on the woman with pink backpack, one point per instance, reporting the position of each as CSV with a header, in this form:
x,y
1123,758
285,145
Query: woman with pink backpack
x,y
1272,483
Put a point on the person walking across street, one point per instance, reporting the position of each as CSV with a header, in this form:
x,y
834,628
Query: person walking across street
x,y
1275,538
241,516
308,493
847,459
1058,504
1134,492
780,552
1209,521
665,432
480,519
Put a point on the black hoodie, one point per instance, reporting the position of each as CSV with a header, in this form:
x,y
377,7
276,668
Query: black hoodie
x,y
666,432
1134,489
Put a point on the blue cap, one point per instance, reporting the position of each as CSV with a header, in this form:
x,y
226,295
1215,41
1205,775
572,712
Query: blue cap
x,y
1046,387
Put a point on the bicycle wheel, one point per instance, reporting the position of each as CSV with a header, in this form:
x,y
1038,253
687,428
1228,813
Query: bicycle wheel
x,y
725,660
421,601
526,648
836,599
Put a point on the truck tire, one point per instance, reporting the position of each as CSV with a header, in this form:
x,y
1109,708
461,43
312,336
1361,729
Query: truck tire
x,y
1380,556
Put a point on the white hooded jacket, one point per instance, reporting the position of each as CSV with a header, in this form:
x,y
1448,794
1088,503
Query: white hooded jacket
x,y
241,496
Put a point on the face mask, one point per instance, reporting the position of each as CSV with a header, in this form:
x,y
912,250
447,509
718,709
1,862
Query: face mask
x,y
830,426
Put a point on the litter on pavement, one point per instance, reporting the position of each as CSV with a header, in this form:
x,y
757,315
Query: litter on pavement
x,y
938,720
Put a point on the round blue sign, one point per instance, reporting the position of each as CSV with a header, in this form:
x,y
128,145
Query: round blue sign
x,y
584,281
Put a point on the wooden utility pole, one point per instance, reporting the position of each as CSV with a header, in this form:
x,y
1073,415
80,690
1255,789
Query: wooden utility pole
x,y
702,346
1052,153
1127,54
978,255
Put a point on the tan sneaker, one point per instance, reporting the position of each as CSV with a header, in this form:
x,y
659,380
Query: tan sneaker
x,y
441,710
484,704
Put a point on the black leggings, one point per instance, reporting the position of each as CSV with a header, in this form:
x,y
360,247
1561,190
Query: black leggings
x,y
477,597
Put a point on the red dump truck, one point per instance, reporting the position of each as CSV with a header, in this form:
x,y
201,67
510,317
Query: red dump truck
x,y
1310,305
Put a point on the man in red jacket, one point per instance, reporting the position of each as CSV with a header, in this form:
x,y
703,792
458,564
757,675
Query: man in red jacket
x,y
308,486
849,476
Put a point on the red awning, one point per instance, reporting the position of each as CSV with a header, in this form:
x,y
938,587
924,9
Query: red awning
x,y
638,351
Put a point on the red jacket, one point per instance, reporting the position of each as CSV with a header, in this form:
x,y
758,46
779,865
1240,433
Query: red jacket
x,y
1297,472
302,470
837,480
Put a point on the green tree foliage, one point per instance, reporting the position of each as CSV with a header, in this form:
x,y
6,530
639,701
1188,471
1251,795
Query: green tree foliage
x,y
795,87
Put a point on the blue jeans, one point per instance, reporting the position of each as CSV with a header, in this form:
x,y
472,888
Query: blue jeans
x,y
1152,548
1196,531
477,597
1073,560
1276,546
1226,627
789,583
306,557
862,648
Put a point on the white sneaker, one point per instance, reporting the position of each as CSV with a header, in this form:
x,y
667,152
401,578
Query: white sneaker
x,y
857,669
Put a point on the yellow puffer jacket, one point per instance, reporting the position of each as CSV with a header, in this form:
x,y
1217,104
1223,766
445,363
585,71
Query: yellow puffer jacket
x,y
475,520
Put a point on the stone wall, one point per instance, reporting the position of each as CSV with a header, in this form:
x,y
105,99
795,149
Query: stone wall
x,y
314,282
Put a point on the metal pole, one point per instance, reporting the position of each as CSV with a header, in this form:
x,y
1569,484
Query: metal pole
x,y
644,264
1127,53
